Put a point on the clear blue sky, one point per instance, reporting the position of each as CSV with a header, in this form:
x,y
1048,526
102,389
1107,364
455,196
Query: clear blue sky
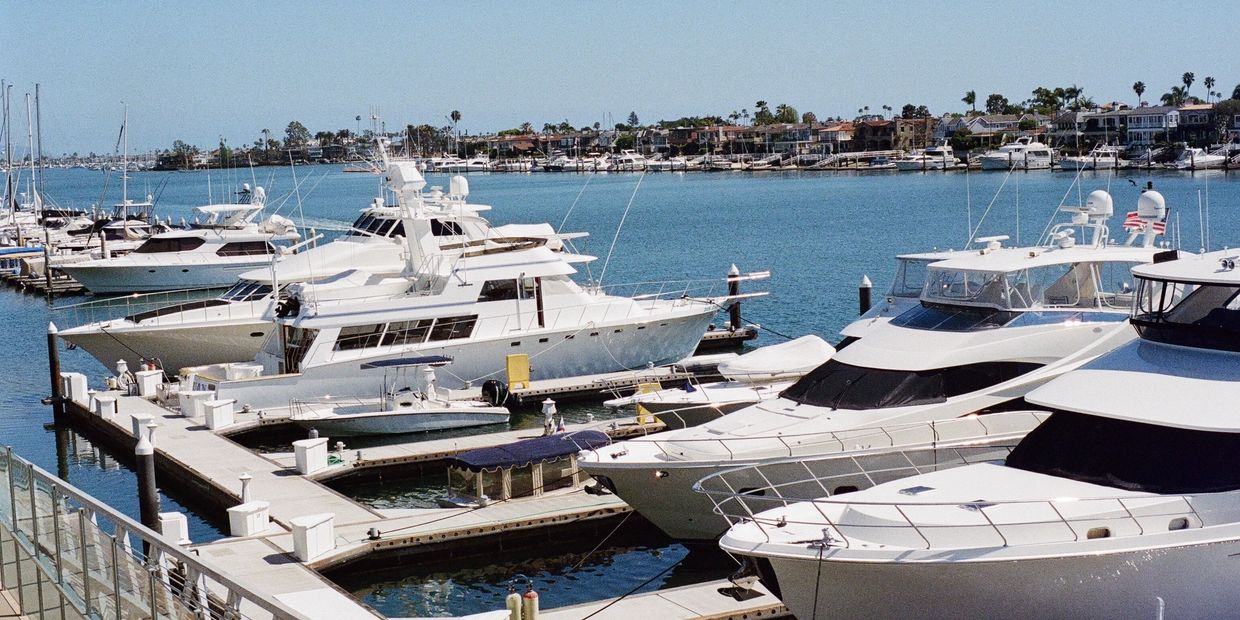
x,y
199,70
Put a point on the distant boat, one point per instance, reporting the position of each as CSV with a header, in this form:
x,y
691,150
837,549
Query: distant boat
x,y
369,168
1024,154
1102,157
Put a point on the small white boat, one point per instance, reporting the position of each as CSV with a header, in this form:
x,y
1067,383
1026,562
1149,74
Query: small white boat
x,y
399,410
1193,158
628,161
940,157
1102,157
1023,154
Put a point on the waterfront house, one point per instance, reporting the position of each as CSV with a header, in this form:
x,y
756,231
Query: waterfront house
x,y
1151,124
874,135
1196,125
836,136
916,133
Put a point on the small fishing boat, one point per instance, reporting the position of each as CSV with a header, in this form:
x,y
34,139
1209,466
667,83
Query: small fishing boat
x,y
403,409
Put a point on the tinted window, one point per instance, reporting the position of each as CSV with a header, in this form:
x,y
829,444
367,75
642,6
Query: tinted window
x,y
1130,455
441,228
953,318
398,230
407,332
843,386
452,327
498,290
157,245
244,248
358,337
1189,314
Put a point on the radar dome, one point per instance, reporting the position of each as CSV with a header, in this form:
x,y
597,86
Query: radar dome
x,y
458,186
1151,205
1099,204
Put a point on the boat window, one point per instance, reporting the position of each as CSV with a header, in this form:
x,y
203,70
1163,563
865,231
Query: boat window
x,y
953,318
444,228
358,337
842,386
297,343
407,332
448,328
159,245
498,290
398,230
245,248
1188,314
175,309
910,278
1130,455
1115,287
359,226
973,287
529,288
246,291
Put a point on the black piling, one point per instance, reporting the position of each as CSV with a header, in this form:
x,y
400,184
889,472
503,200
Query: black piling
x,y
863,294
148,491
53,363
734,288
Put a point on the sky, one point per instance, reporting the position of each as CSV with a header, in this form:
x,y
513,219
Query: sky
x,y
199,71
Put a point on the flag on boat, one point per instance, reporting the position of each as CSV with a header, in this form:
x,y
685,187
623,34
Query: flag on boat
x,y
1134,223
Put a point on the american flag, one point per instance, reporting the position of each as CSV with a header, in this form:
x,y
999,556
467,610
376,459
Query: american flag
x,y
1134,223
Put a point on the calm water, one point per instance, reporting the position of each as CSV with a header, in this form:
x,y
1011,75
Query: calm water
x,y
817,232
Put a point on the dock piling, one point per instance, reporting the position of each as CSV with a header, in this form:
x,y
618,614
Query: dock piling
x,y
53,362
734,289
148,491
863,294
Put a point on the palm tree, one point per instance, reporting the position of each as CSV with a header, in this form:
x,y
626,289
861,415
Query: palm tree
x,y
1187,79
970,97
527,128
1139,88
745,114
1209,82
1177,96
456,135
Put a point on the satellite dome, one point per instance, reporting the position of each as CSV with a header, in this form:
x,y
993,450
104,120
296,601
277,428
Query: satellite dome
x,y
1151,205
1099,204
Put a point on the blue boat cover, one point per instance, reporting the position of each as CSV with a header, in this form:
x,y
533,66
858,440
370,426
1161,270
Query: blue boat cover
x,y
529,451
425,360
20,250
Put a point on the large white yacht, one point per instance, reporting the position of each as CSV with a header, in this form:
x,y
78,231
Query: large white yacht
x,y
232,326
990,327
628,160
475,302
1125,503
1101,157
1023,154
211,254
940,157
1193,158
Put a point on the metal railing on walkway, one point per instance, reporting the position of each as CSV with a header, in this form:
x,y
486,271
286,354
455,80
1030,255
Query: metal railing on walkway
x,y
66,555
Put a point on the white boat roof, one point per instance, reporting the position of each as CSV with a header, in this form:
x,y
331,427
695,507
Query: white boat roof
x,y
1004,260
216,209
1205,268
1152,383
378,255
933,255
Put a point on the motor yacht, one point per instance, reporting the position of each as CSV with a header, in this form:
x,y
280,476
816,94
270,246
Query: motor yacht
x,y
940,157
628,160
990,327
1193,158
1023,154
1123,503
231,326
210,254
478,302
1101,157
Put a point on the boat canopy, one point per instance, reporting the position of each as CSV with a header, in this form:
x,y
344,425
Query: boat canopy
x,y
404,362
528,451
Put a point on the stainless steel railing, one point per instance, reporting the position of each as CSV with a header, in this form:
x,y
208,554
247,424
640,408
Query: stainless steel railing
x,y
68,555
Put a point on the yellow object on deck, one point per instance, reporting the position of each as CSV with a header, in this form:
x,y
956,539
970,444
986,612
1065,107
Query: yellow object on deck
x,y
518,365
643,414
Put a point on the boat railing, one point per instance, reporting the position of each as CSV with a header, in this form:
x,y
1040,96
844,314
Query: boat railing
x,y
775,445
74,556
838,522
108,308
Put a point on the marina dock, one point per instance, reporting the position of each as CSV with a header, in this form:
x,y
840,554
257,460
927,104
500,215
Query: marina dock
x,y
210,466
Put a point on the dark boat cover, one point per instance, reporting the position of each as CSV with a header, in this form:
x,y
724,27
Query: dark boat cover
x,y
529,451
425,360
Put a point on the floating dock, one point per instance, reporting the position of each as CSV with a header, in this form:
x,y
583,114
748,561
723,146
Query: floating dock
x,y
286,504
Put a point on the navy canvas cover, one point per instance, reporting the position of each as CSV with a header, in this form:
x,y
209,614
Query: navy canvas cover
x,y
529,451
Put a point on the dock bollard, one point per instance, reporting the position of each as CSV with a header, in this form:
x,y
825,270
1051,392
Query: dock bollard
x,y
734,289
863,294
53,363
148,490
245,487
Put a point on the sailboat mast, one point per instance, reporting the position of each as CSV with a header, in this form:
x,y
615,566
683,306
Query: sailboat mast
x,y
30,189
38,132
125,158
10,202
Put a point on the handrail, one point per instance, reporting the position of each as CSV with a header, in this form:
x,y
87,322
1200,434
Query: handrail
x,y
164,579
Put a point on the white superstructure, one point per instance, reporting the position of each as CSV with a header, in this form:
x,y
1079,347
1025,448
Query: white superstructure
x,y
1023,154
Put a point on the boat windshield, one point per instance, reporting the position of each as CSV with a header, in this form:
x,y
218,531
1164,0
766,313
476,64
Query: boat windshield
x,y
837,385
910,277
1188,313
1063,285
246,290
1130,455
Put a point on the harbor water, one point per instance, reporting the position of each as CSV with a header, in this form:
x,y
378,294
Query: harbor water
x,y
818,233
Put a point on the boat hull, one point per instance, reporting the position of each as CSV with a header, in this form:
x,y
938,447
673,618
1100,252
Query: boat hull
x,y
213,343
1196,581
398,423
1019,163
152,278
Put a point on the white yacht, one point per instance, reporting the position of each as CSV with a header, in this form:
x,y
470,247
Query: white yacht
x,y
1023,154
628,160
1101,157
940,157
208,255
232,326
991,326
1123,504
1193,158
479,303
